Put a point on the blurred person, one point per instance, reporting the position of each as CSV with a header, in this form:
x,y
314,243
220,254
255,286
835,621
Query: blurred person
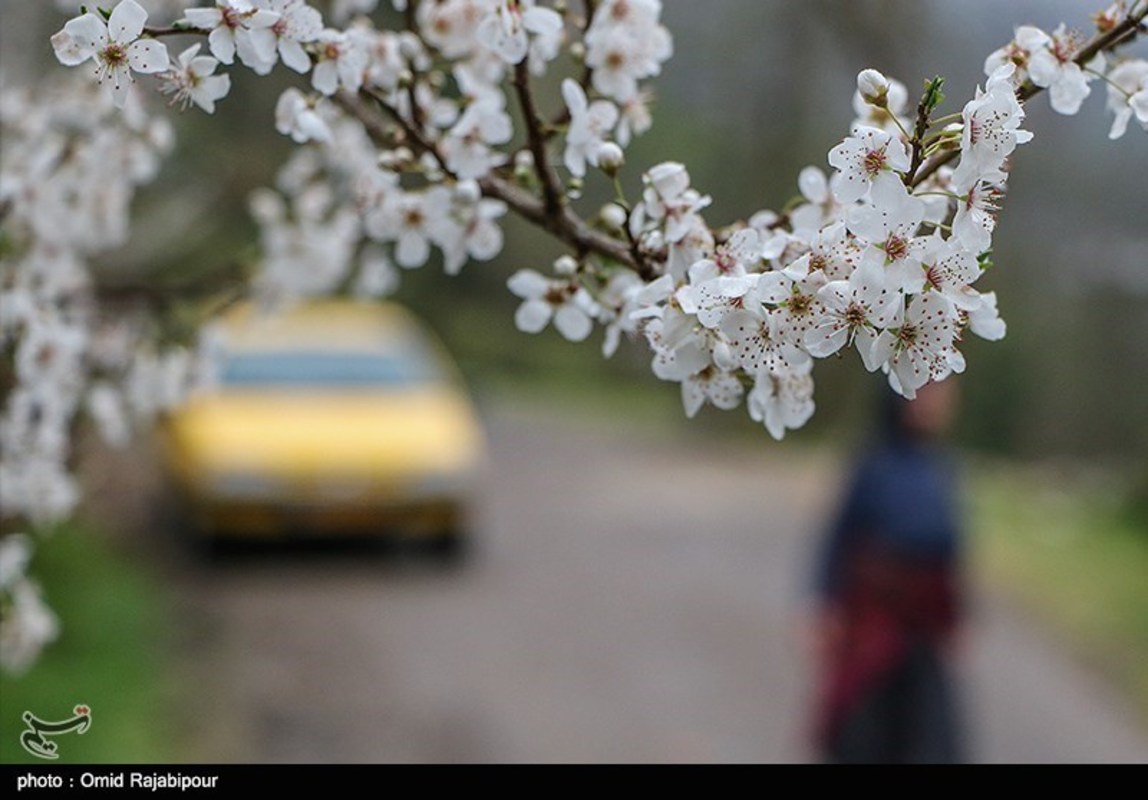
x,y
889,602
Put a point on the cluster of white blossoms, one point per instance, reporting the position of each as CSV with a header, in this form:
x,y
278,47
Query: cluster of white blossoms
x,y
422,136
70,165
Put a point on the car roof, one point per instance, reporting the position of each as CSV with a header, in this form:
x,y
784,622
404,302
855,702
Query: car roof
x,y
337,325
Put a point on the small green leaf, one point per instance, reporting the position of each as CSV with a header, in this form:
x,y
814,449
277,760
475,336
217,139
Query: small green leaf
x,y
933,96
985,259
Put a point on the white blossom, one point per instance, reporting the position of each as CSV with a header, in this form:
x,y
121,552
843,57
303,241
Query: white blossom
x,y
298,24
917,350
868,156
297,116
855,311
1052,66
991,129
625,44
193,82
590,124
237,26
115,46
782,400
507,31
889,223
342,60
1128,95
568,305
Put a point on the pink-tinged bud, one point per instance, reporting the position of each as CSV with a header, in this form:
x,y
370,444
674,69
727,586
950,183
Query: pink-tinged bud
x,y
874,87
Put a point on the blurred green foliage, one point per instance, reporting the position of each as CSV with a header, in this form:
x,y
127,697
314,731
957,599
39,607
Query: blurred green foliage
x,y
114,654
1061,540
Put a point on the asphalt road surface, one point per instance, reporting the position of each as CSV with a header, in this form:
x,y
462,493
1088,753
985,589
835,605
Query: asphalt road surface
x,y
632,598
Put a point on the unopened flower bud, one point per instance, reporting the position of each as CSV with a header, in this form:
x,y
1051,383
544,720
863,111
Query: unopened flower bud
x,y
523,166
1109,18
610,158
874,87
468,192
613,216
565,266
395,159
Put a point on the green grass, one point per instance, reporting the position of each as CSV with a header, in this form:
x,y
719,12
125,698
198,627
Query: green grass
x,y
111,655
1063,543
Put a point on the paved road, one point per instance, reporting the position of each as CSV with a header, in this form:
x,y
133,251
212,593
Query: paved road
x,y
625,604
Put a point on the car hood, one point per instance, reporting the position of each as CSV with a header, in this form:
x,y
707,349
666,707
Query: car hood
x,y
319,433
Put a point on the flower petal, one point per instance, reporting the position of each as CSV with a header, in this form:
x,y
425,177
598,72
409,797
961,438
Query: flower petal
x,y
528,284
294,56
693,396
80,39
127,22
222,44
533,316
120,85
148,56
573,323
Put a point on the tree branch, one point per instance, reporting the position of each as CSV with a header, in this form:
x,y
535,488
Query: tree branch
x,y
552,191
567,226
174,30
564,225
1127,31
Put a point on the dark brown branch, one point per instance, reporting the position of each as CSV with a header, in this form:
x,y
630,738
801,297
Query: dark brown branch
x,y
552,192
377,130
174,30
566,226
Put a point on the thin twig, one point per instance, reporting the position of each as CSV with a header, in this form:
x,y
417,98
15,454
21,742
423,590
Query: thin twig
x,y
174,30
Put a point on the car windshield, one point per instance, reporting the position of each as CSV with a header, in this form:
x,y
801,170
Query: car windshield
x,y
320,369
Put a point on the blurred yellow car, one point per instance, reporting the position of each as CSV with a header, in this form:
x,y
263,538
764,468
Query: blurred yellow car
x,y
332,417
